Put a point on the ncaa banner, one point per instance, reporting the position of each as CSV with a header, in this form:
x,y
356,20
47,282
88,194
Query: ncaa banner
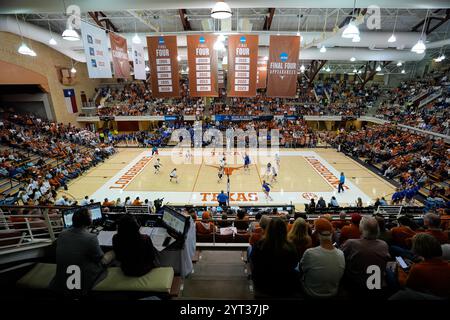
x,y
282,66
119,52
202,62
242,65
162,57
96,50
261,74
137,55
220,79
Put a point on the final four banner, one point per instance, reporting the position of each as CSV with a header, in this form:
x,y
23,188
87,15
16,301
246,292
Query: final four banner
x,y
96,50
162,57
242,65
282,67
119,52
202,62
261,74
137,54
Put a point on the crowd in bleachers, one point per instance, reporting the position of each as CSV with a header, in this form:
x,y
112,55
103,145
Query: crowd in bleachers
x,y
56,153
433,116
325,256
415,161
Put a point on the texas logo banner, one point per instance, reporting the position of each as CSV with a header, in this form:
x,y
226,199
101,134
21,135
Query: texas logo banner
x,y
202,62
282,66
261,74
162,57
119,52
242,65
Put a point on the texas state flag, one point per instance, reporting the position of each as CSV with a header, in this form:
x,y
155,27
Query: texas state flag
x,y
71,101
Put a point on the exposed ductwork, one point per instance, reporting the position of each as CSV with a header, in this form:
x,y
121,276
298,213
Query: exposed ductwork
x,y
373,45
33,6
72,49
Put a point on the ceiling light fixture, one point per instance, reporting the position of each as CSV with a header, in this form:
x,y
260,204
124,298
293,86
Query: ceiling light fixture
x,y
136,39
24,49
52,40
420,46
393,38
352,59
70,35
378,69
403,70
221,10
399,64
302,68
323,49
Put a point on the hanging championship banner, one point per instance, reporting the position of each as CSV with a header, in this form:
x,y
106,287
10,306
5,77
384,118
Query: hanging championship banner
x,y
242,65
282,66
96,50
261,74
137,53
220,78
162,57
119,52
202,63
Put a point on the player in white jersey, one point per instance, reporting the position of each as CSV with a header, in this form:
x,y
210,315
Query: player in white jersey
x,y
223,162
220,174
157,165
277,159
268,170
174,175
274,174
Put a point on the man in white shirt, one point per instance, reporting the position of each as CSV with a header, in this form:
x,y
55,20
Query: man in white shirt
x,y
322,266
85,201
63,201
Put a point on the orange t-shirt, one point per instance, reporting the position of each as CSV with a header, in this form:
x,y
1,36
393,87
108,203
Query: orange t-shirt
x,y
432,276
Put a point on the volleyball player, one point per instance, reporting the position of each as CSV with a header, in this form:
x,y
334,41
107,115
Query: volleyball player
x,y
174,175
246,162
266,188
274,174
277,159
268,170
157,165
220,174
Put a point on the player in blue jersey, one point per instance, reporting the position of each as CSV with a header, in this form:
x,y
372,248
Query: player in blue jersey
x,y
266,188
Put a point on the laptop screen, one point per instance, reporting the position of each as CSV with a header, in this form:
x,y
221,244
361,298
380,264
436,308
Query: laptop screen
x,y
95,210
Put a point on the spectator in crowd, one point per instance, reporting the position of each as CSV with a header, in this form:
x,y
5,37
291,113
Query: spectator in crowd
x,y
85,201
333,202
299,236
384,234
432,223
432,274
402,234
322,266
134,251
205,226
273,261
137,202
362,253
351,231
321,203
258,232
